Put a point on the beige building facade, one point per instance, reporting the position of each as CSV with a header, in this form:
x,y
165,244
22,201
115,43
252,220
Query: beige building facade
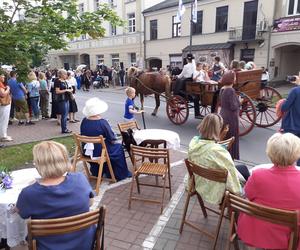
x,y
231,29
120,46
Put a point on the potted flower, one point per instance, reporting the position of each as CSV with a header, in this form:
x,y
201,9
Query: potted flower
x,y
5,179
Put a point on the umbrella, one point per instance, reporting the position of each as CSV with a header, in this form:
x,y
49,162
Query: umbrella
x,y
81,66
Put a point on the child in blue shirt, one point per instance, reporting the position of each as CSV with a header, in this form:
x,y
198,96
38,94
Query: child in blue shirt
x,y
129,105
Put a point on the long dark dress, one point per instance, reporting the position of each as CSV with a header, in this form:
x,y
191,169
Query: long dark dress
x,y
115,150
230,106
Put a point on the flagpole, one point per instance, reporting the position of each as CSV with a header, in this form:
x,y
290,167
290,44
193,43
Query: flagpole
x,y
191,28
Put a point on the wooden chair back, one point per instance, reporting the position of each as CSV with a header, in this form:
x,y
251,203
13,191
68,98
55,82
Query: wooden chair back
x,y
216,175
79,155
151,153
59,226
282,217
227,143
224,132
124,126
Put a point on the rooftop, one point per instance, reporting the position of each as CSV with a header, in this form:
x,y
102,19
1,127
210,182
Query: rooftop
x,y
165,5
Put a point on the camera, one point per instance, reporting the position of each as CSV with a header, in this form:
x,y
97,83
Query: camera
x,y
291,78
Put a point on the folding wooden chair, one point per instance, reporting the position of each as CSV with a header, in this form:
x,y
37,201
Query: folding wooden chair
x,y
104,157
216,175
59,226
153,162
124,126
236,205
224,132
227,143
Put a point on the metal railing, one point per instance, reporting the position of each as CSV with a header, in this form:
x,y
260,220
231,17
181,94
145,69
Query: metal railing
x,y
246,33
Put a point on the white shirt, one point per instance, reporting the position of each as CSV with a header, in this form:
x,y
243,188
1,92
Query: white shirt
x,y
72,82
265,76
188,70
200,76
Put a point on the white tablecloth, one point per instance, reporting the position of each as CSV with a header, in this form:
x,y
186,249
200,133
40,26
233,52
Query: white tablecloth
x,y
266,165
12,226
171,137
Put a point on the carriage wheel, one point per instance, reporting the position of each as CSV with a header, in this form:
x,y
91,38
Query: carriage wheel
x,y
177,109
204,110
247,114
265,108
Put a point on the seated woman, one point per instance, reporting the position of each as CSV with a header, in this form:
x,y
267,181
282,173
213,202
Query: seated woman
x,y
94,125
276,187
57,194
204,150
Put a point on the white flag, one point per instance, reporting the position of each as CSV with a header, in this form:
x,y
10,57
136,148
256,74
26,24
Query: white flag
x,y
180,12
194,16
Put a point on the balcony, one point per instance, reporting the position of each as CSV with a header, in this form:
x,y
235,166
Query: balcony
x,y
246,34
111,41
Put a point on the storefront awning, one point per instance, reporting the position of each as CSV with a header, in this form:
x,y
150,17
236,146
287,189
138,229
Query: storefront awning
x,y
212,46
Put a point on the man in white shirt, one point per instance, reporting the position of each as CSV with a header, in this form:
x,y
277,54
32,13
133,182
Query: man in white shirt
x,y
186,74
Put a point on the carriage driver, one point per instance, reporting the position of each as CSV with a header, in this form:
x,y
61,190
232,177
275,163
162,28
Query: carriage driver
x,y
185,75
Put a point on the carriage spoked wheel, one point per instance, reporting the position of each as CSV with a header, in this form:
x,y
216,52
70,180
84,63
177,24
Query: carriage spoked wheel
x,y
247,114
204,110
265,107
177,109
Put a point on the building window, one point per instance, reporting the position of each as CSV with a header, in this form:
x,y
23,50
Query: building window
x,y
221,19
176,27
100,59
132,58
176,61
153,29
113,3
81,8
97,4
294,7
247,55
83,37
131,22
113,30
197,27
115,60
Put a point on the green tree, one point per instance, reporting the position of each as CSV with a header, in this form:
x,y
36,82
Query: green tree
x,y
30,28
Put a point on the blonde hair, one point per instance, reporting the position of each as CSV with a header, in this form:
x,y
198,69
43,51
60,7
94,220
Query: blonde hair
x,y
31,76
129,90
51,159
210,127
283,149
61,72
42,76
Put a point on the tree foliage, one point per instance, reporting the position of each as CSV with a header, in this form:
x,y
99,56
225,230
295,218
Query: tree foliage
x,y
30,28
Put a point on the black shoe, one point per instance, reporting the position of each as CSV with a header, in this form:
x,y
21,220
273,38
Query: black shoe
x,y
199,116
10,123
29,123
20,123
2,145
67,132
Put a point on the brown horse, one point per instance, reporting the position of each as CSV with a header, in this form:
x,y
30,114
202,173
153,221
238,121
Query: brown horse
x,y
148,83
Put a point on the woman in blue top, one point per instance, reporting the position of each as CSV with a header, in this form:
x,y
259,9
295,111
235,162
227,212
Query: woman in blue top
x,y
57,194
33,88
94,125
291,108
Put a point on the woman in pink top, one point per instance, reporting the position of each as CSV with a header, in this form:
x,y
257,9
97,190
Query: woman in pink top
x,y
277,187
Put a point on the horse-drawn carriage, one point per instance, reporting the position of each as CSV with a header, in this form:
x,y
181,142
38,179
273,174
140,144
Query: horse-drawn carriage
x,y
257,105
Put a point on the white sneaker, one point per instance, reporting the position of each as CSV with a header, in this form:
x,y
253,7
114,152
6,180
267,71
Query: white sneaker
x,y
35,120
6,139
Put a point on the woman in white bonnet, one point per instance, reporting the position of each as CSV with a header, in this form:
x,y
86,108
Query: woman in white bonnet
x,y
94,125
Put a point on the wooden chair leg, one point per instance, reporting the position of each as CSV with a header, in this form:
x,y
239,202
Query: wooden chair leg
x,y
201,202
99,179
186,205
170,188
131,190
87,171
110,169
163,194
219,225
231,230
138,184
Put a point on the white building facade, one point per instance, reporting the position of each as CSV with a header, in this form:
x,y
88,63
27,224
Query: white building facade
x,y
232,29
120,46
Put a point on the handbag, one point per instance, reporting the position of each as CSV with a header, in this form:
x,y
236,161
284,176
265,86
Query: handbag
x,y
6,100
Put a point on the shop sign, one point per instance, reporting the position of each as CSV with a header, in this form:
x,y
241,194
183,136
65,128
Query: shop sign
x,y
287,24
